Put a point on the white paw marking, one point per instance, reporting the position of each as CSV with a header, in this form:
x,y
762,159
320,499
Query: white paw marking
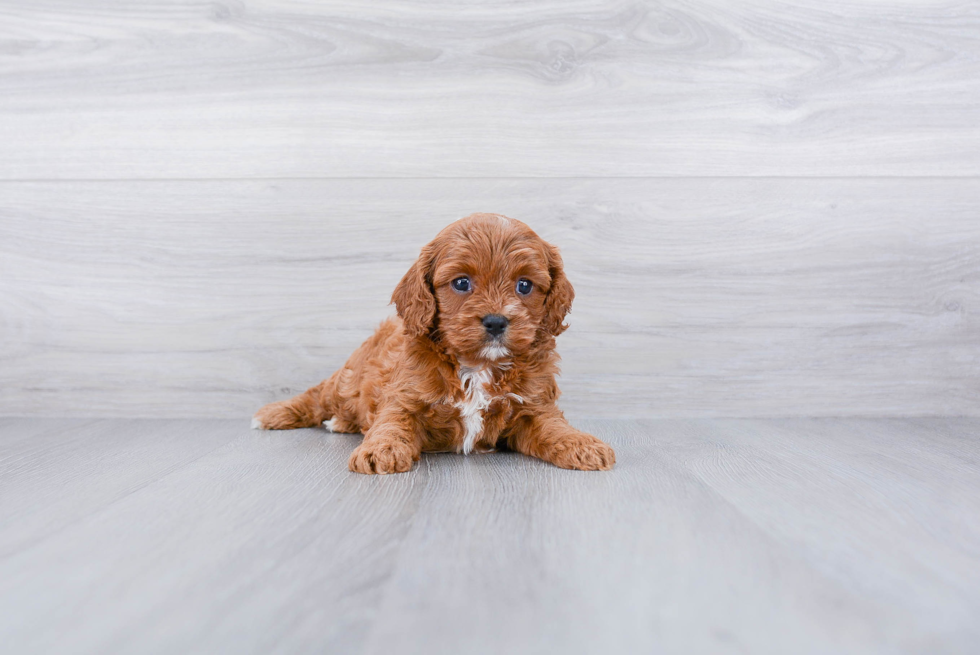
x,y
330,425
257,424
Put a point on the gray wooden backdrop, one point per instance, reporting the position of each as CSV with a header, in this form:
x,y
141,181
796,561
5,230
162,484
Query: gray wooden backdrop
x,y
767,208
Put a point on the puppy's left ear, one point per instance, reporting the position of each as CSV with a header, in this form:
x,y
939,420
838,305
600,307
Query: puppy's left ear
x,y
560,296
413,297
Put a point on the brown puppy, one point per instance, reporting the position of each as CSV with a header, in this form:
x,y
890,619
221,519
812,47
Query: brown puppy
x,y
468,365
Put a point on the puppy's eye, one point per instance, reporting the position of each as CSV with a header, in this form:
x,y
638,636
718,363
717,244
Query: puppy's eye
x,y
524,286
461,284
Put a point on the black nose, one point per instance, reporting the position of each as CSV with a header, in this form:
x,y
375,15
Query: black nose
x,y
495,324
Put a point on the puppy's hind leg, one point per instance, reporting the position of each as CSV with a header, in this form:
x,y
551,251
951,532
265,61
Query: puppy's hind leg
x,y
307,410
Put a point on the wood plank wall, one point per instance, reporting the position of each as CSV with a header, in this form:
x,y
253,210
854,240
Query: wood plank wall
x,y
767,209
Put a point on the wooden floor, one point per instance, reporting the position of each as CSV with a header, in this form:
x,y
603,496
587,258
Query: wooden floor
x,y
780,535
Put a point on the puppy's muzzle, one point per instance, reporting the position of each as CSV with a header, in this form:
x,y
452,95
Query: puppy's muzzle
x,y
495,324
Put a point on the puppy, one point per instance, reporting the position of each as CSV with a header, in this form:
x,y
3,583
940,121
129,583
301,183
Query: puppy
x,y
468,365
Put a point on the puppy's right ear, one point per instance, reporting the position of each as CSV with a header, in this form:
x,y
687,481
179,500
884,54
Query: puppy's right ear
x,y
414,298
560,296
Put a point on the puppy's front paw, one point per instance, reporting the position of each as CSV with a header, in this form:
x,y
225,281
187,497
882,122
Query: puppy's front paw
x,y
584,454
387,456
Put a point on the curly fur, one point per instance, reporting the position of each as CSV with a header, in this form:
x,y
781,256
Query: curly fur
x,y
434,379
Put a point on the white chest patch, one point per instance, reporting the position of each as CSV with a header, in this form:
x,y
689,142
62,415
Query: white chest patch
x,y
477,399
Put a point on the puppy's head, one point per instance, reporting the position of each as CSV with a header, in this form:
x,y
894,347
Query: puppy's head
x,y
488,285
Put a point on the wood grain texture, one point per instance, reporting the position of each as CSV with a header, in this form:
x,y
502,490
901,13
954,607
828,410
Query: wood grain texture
x,y
709,536
256,533
284,88
702,297
79,480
